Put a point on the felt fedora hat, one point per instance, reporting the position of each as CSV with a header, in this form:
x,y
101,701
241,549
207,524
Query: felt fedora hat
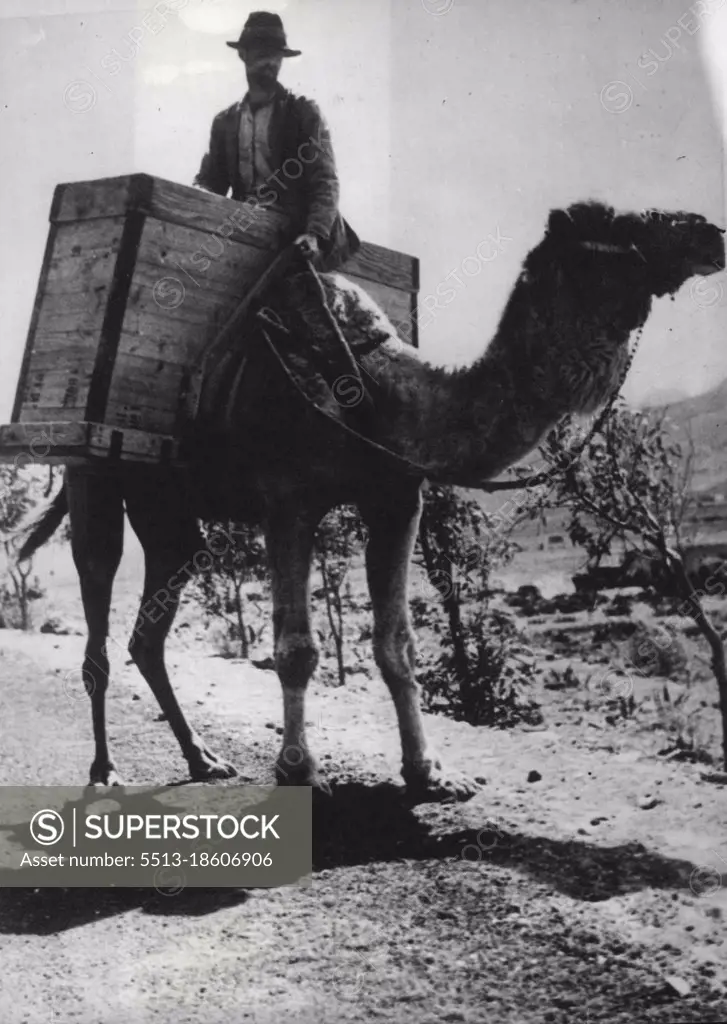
x,y
264,30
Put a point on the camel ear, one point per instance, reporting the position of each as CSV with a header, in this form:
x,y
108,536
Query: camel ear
x,y
560,224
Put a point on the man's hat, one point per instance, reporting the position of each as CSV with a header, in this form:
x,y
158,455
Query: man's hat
x,y
265,30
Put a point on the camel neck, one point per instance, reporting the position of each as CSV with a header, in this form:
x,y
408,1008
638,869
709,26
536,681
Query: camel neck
x,y
554,353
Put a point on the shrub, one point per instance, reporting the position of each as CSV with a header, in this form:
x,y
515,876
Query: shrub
x,y
17,594
237,555
482,672
655,652
22,490
339,538
498,671
688,735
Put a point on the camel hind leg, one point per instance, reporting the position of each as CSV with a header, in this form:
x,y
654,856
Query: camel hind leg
x,y
96,509
392,536
173,546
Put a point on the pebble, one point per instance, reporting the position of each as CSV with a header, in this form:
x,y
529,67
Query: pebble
x,y
648,801
679,985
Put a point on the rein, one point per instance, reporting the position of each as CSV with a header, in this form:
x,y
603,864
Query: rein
x,y
270,324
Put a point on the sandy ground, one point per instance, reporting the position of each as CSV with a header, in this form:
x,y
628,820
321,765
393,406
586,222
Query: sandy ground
x,y
593,894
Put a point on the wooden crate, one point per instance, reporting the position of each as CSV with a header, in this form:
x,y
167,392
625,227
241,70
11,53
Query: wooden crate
x,y
138,277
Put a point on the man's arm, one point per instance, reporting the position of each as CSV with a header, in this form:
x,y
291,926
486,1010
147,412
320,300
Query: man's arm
x,y
321,178
212,175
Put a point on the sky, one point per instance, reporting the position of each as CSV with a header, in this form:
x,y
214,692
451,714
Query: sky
x,y
457,125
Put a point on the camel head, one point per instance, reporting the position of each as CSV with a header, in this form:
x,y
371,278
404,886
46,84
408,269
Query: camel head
x,y
590,284
653,251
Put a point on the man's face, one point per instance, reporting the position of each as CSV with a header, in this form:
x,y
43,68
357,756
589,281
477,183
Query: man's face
x,y
262,65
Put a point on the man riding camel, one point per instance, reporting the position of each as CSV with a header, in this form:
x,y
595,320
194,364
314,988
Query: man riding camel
x,y
275,148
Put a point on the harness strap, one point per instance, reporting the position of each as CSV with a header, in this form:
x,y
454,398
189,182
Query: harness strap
x,y
402,464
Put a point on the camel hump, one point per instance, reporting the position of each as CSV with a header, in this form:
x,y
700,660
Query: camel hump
x,y
361,319
364,322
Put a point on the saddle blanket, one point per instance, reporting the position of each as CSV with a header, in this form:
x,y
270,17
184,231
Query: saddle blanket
x,y
310,310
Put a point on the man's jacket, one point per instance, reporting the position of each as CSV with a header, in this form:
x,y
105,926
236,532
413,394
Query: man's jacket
x,y
305,182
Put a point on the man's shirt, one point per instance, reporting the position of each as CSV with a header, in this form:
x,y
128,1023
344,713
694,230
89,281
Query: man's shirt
x,y
253,145
284,158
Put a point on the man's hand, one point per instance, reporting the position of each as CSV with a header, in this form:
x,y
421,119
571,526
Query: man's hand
x,y
308,245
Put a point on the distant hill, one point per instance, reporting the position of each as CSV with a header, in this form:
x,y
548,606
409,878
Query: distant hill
x,y
659,397
703,422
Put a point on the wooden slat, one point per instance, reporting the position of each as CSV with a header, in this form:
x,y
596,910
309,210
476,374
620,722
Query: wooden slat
x,y
34,320
72,359
30,414
76,343
145,380
84,274
195,208
48,385
199,258
141,417
72,311
176,296
178,335
82,238
406,331
58,381
156,338
144,393
138,445
376,263
176,314
46,434
86,200
166,200
394,302
55,441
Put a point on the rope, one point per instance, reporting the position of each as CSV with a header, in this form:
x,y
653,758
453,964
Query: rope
x,y
335,326
199,368
411,468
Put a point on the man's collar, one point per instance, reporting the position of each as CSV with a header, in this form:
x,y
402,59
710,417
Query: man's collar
x,y
279,94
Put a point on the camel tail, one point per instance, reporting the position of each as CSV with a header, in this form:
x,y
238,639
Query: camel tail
x,y
43,528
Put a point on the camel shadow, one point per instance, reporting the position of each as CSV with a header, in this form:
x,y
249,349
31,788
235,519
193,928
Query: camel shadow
x,y
52,911
46,911
364,824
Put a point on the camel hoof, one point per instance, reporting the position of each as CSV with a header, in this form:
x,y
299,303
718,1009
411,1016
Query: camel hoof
x,y
102,776
312,778
207,767
432,785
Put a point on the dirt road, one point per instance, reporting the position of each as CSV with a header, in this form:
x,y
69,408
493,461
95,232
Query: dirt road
x,y
564,899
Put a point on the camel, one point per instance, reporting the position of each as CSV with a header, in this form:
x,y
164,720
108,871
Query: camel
x,y
561,348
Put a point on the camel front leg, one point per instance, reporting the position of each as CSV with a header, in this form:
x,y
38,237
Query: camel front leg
x,y
289,538
392,535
